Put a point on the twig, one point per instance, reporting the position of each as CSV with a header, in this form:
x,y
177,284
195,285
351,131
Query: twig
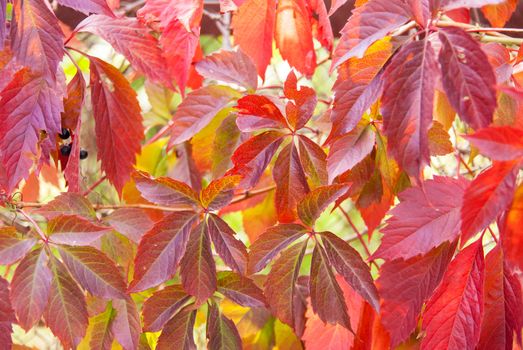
x,y
37,228
358,233
96,184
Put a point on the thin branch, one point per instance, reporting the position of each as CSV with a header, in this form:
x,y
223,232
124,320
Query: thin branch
x,y
37,228
96,184
358,233
250,194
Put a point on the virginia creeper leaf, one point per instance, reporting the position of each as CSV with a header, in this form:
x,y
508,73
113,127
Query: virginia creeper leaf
x,y
452,318
89,6
467,77
178,332
162,306
7,316
240,289
131,222
500,12
119,129
68,204
102,334
126,325
316,201
314,161
303,102
12,247
258,106
221,331
512,239
219,192
161,249
501,143
74,230
457,4
165,191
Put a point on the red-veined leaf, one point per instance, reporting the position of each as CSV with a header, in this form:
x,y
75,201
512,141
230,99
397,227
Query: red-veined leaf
x,y
407,105
230,249
73,102
7,315
404,285
66,312
88,6
197,266
230,67
178,332
162,306
326,295
30,288
291,184
36,37
321,25
270,243
197,110
368,23
119,129
219,192
94,271
240,289
350,149
133,40
28,105
161,249
503,304
281,289
253,26
467,77
314,161
165,191
299,111
452,318
130,222
499,13
254,155
316,201
102,333
67,204
426,217
259,107
221,331
351,266
74,230
293,35
187,12
501,143
489,194
126,325
12,247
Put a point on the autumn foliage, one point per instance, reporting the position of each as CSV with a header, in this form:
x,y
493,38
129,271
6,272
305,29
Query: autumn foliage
x,y
295,188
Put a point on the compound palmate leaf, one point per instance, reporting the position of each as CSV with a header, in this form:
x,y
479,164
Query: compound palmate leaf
x,y
119,128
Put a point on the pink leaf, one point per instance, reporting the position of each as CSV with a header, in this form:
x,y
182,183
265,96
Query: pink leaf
x,y
501,143
162,306
88,6
165,191
126,325
7,316
68,204
240,289
74,230
230,249
131,222
12,247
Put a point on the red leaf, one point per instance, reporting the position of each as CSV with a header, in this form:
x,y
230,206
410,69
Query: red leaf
x,y
12,247
73,102
188,12
94,271
314,161
119,129
133,40
426,217
161,249
28,105
350,149
293,35
351,266
258,106
511,230
315,202
503,304
230,67
254,155
7,316
405,285
273,241
178,332
452,318
88,6
162,306
230,249
499,13
467,77
126,325
291,184
131,222
66,312
281,288
300,111
72,169
74,230
457,4
499,142
197,266
197,110
368,23
326,295
253,26
321,25
489,194
240,289
67,204
30,288
37,40
165,191
219,192
179,47
407,112
221,331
